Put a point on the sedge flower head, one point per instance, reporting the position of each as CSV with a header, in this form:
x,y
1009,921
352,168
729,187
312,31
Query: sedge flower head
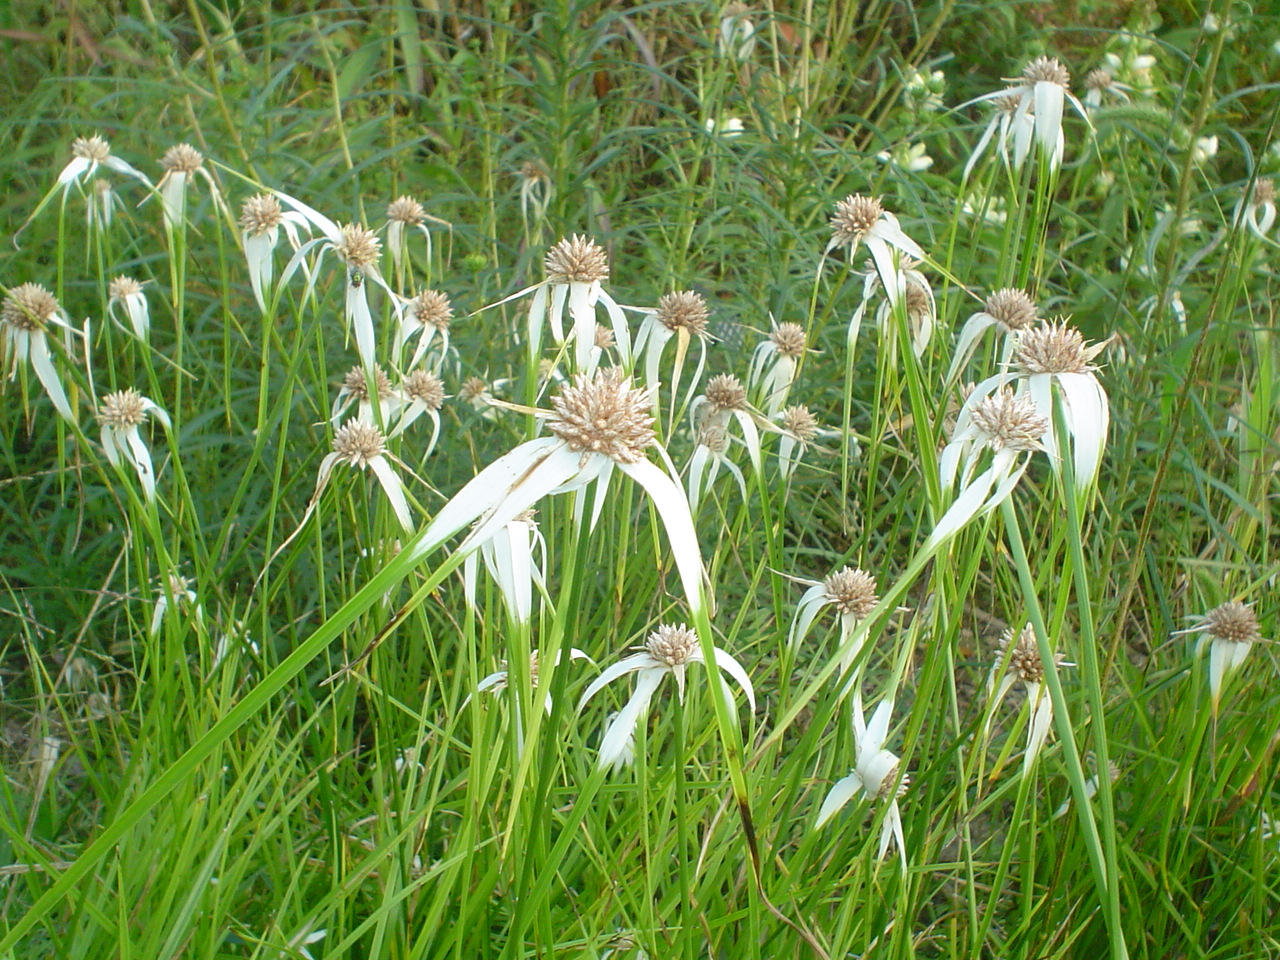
x,y
1021,652
126,293
362,445
684,310
577,260
430,314
181,162
355,389
852,593
261,219
725,398
120,415
668,650
605,415
1230,630
1009,310
405,213
862,220
798,427
774,365
421,393
28,311
1256,208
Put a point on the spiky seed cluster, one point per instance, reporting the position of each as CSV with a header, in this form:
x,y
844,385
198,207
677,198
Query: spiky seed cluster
x,y
122,287
604,338
91,148
1047,70
260,214
1008,103
852,591
887,785
122,409
798,420
406,210
1264,191
1053,348
672,643
27,306
1011,308
1232,621
359,246
854,216
472,389
182,158
426,388
532,171
356,384
917,302
789,340
714,437
604,414
685,310
1023,653
726,392
358,443
1098,80
1011,421
579,260
431,308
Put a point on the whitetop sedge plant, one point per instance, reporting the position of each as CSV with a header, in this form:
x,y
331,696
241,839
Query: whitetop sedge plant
x,y
29,311
1007,310
261,220
668,650
181,163
1229,630
860,220
917,300
496,682
120,415
774,365
427,315
799,428
852,593
1019,660
682,316
126,294
723,400
1256,208
710,453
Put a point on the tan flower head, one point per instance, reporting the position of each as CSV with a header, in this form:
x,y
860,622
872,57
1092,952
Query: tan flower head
x,y
685,310
1264,191
28,306
1232,621
919,303
1009,103
604,338
122,287
891,788
673,644
531,171
357,386
260,214
473,390
1054,348
406,210
1023,654
852,591
1047,70
1098,80
604,414
122,409
358,443
1011,308
798,420
854,216
359,247
714,437
91,148
726,392
431,308
1010,421
579,260
425,388
789,340
182,158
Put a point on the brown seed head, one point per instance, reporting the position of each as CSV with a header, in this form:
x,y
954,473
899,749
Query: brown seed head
x,y
1046,70
1053,348
359,247
852,591
1098,80
854,216
122,409
1264,191
918,303
1008,103
358,443
28,306
1024,657
473,389
260,214
726,392
798,420
579,260
426,388
182,158
673,644
91,148
122,287
789,340
685,310
604,337
1233,621
891,787
531,171
1010,421
431,308
355,383
604,414
406,210
1011,308
714,437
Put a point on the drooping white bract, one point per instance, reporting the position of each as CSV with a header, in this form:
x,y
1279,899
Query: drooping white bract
x,y
362,445
710,453
875,775
261,220
428,314
121,414
682,316
509,556
1014,124
917,297
126,293
1230,630
774,365
799,427
174,589
862,220
181,162
668,650
28,310
1257,208
498,681
403,214
1009,310
853,594
1020,656
723,400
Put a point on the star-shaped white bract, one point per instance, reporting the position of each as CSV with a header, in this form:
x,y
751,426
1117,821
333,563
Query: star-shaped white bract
x,y
121,414
1230,630
28,310
669,650
862,220
509,558
875,775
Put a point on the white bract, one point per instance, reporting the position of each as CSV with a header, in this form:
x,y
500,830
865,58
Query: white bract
x,y
121,414
509,558
498,681
126,293
917,298
175,589
709,455
1008,310
362,445
862,220
853,594
774,365
668,650
180,163
261,220
1230,630
28,309
1256,208
876,775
